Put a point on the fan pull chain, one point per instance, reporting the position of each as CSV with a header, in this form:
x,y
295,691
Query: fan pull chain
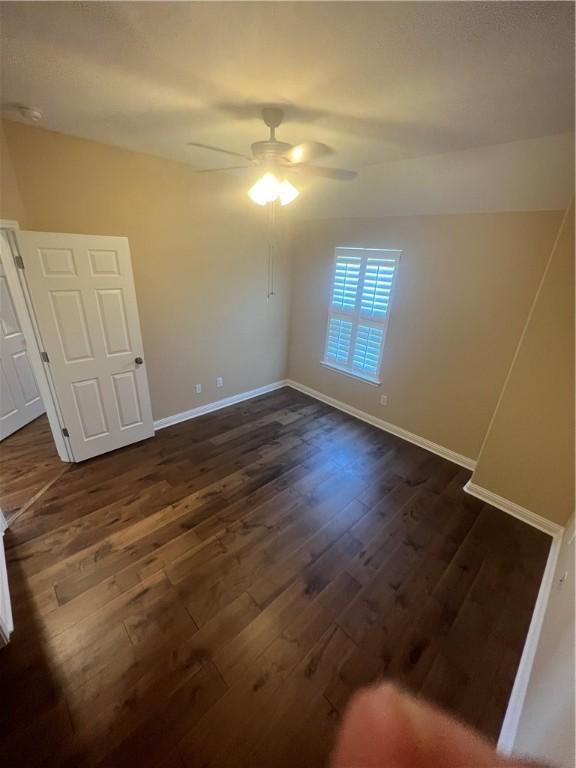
x,y
272,244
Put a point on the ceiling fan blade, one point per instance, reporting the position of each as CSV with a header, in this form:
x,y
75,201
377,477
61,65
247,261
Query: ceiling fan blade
x,y
218,149
339,174
309,150
228,168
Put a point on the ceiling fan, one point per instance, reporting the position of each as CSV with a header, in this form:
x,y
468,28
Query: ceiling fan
x,y
276,158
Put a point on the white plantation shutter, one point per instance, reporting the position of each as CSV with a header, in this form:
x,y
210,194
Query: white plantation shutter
x,y
377,286
367,349
345,287
362,286
339,338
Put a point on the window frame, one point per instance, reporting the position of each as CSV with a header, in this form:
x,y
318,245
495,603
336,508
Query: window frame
x,y
356,317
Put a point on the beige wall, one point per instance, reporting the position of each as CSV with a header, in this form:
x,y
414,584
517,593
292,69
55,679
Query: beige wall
x,y
464,288
547,721
528,454
529,175
199,252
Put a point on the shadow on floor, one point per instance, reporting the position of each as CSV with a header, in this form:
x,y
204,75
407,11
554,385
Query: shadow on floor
x,y
34,720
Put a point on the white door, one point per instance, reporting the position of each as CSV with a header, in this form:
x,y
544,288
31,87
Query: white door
x,y
20,401
84,302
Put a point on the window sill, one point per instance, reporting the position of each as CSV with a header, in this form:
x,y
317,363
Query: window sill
x,y
352,374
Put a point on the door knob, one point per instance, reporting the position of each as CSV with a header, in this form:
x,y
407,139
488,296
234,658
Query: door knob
x,y
138,360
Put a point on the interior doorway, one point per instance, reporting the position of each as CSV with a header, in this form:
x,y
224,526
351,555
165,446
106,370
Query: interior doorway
x,y
29,460
20,400
76,302
73,351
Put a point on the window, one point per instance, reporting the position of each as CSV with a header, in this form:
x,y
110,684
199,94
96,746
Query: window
x,y
359,307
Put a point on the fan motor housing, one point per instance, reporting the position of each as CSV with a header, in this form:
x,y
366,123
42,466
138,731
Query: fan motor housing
x,y
270,150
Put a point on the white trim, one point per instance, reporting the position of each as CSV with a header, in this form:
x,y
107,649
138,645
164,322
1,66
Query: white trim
x,y
23,304
537,521
352,374
9,224
355,317
440,450
517,697
217,405
6,620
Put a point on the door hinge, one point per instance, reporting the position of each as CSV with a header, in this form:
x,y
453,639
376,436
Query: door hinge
x,y
19,262
65,432
44,357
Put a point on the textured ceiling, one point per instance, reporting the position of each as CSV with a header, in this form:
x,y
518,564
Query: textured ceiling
x,y
377,81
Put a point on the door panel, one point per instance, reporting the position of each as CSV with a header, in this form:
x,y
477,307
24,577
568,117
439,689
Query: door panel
x,y
25,377
70,319
104,263
8,404
127,402
84,300
57,262
8,319
20,401
113,320
88,400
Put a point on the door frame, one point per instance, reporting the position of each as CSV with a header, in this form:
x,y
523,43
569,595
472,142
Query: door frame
x,y
24,310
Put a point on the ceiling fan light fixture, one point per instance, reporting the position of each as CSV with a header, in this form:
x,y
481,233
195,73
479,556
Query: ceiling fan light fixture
x,y
287,192
265,190
269,188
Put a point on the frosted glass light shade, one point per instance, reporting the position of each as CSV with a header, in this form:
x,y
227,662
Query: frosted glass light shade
x,y
265,190
287,192
269,188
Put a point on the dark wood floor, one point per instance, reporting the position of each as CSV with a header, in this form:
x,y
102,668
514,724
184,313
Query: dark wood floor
x,y
213,596
29,463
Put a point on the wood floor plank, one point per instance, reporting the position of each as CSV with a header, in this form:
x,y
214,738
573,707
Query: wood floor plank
x,y
213,596
29,464
299,699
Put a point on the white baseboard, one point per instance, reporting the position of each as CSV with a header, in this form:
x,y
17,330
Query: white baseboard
x,y
440,450
193,413
509,728
518,695
537,521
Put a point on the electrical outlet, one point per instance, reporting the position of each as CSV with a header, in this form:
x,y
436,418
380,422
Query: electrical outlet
x,y
198,388
383,399
219,381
